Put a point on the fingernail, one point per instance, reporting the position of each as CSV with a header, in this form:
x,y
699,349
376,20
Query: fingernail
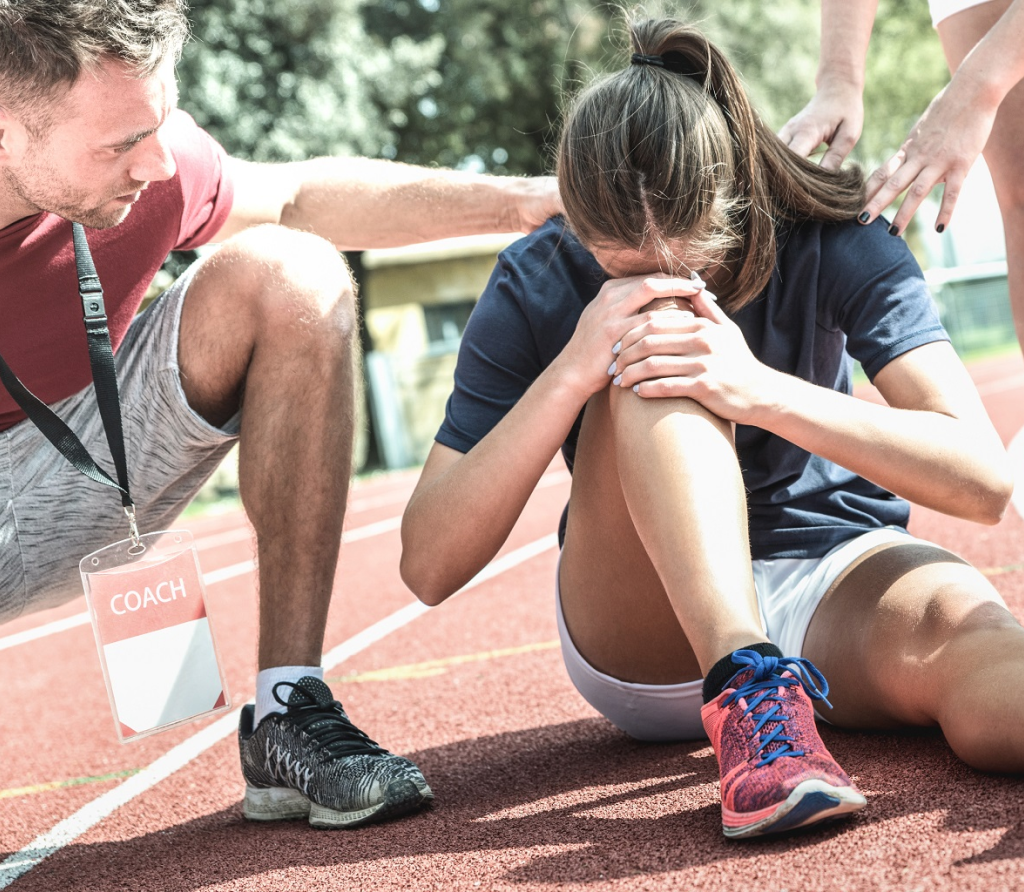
x,y
893,230
687,314
864,217
636,388
611,369
617,379
940,228
617,348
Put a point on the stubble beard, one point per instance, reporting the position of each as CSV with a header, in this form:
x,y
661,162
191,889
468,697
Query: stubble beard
x,y
64,201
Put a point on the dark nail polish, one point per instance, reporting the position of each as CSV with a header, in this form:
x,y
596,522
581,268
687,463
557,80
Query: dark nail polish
x,y
893,230
941,227
864,217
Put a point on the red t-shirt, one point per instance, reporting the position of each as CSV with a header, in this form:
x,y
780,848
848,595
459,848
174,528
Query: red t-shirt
x,y
41,332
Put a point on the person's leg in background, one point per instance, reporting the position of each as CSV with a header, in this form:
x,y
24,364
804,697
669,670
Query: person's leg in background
x,y
959,33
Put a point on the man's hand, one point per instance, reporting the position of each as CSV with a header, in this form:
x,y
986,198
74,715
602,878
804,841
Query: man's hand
x,y
538,200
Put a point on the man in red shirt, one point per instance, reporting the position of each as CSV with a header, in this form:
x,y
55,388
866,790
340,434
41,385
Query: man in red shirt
x,y
254,344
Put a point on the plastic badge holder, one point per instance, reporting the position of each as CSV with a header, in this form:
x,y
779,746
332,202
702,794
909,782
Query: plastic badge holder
x,y
156,646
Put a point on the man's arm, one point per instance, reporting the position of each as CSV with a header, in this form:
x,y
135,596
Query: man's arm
x,y
360,203
835,115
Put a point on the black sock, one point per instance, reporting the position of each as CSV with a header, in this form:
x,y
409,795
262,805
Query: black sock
x,y
725,668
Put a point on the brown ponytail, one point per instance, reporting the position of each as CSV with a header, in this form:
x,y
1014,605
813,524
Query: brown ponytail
x,y
654,154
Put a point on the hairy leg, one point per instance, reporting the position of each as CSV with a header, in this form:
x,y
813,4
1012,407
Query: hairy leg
x,y
268,324
656,577
959,33
912,635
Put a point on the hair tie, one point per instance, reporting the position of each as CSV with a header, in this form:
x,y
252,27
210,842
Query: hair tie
x,y
642,59
673,61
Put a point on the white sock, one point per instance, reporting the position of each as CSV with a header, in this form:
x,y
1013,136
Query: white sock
x,y
267,678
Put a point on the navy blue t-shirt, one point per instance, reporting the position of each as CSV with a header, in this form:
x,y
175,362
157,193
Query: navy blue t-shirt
x,y
838,290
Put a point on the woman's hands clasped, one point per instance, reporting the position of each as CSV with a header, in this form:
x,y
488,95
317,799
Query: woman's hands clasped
x,y
589,357
701,355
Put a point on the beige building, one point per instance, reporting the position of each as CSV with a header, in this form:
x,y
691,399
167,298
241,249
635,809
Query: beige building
x,y
417,301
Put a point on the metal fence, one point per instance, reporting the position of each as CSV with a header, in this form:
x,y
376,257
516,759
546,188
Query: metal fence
x,y
974,305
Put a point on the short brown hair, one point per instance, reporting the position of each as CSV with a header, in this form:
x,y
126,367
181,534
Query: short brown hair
x,y
46,44
650,155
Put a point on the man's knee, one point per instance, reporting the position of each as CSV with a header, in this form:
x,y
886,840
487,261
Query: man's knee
x,y
294,278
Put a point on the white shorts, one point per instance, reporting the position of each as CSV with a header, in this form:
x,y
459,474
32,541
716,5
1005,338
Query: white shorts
x,y
788,592
943,9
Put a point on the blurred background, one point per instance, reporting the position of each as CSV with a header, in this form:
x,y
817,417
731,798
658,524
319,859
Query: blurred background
x,y
478,85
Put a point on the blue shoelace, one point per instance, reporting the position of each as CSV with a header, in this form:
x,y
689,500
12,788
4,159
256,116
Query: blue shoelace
x,y
763,688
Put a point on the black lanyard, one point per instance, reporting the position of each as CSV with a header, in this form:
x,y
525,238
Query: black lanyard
x,y
101,359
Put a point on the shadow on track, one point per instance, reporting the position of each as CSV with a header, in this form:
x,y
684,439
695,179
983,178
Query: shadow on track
x,y
569,803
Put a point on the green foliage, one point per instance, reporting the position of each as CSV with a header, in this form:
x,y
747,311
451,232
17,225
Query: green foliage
x,y
500,79
775,47
906,70
480,83
284,80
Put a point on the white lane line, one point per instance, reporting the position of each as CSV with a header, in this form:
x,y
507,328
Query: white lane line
x,y
408,613
226,538
211,578
79,619
382,501
246,534
87,817
1000,385
552,478
371,529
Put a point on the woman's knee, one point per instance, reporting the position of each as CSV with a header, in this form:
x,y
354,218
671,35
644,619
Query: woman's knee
x,y
980,712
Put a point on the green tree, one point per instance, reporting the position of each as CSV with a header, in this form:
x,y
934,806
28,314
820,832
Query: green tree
x,y
906,69
283,80
500,81
775,47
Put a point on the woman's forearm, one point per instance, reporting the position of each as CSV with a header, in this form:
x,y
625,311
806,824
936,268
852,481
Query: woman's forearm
x,y
845,32
930,458
996,64
465,506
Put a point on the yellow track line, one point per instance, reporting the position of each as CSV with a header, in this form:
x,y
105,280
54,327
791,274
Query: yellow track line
x,y
998,571
437,667
17,792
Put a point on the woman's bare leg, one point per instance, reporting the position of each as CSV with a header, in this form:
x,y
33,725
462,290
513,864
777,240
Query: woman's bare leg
x,y
657,588
912,635
656,578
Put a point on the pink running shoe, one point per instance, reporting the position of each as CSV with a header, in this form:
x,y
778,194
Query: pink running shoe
x,y
777,775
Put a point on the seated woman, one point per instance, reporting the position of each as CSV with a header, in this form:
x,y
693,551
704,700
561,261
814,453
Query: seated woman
x,y
736,515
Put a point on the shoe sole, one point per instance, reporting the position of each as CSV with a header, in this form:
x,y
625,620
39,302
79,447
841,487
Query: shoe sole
x,y
811,802
282,804
274,804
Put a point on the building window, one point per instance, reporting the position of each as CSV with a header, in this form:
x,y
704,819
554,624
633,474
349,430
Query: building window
x,y
446,321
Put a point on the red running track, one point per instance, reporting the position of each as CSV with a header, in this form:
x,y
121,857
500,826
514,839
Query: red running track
x,y
533,789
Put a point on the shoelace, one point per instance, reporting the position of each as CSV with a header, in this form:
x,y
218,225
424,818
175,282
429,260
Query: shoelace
x,y
327,725
762,688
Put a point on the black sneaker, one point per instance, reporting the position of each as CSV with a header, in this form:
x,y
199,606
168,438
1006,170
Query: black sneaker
x,y
312,761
